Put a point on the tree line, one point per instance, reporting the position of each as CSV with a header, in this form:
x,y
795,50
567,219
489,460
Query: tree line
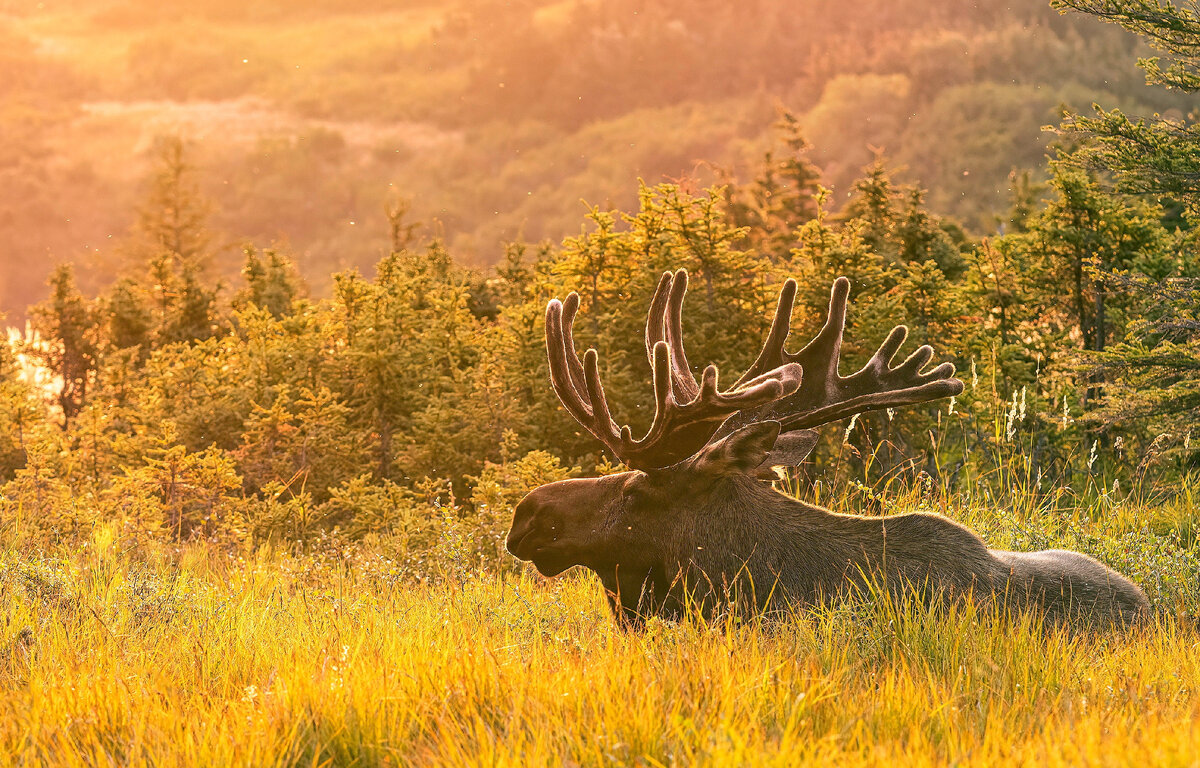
x,y
179,405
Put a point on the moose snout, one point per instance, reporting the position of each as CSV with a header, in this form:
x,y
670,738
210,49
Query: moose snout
x,y
556,526
522,526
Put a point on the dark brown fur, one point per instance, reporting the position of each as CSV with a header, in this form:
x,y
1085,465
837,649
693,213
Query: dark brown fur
x,y
705,532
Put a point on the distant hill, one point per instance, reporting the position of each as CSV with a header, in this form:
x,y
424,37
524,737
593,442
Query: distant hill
x,y
497,118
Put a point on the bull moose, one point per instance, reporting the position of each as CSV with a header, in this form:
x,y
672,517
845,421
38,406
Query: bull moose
x,y
692,524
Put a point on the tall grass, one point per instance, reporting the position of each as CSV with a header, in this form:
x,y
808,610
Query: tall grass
x,y
158,655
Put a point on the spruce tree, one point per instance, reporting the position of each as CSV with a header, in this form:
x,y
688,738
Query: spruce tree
x,y
873,204
271,281
130,319
67,342
173,217
172,238
1153,368
782,196
1083,235
19,414
1156,155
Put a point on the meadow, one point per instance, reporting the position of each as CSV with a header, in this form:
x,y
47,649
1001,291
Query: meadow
x,y
118,651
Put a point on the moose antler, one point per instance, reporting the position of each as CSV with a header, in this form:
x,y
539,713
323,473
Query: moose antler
x,y
825,395
800,390
686,413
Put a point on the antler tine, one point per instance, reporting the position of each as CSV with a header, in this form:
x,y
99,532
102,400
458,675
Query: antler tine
x,y
577,384
664,397
686,413
664,323
658,314
917,360
773,355
825,395
888,349
873,388
567,325
560,372
595,390
689,426
821,355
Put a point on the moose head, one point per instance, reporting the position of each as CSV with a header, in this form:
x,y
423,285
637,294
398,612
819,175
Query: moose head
x,y
694,497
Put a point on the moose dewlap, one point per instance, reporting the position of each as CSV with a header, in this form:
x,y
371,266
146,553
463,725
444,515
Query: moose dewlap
x,y
694,525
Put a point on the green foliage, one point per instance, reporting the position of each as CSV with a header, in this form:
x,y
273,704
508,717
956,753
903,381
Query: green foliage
x,y
271,282
1084,233
129,316
174,216
361,506
1156,155
782,196
1153,371
196,491
66,341
18,414
410,410
38,499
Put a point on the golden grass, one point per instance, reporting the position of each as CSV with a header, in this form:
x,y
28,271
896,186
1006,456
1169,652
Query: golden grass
x,y
196,658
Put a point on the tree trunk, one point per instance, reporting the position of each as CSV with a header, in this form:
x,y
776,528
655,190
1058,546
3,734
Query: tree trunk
x,y
384,425
1080,306
1095,390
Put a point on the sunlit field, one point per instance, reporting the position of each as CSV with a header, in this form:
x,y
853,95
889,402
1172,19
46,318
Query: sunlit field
x,y
153,655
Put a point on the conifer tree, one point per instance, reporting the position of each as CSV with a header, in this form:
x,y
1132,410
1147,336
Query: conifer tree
x,y
782,196
172,237
827,250
19,414
1083,235
1154,366
1023,194
409,338
873,204
68,341
173,217
191,312
921,238
1155,386
1155,155
272,281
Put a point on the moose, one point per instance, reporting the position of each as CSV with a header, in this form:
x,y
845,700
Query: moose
x,y
693,525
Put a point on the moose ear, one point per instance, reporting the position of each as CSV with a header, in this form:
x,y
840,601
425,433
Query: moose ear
x,y
741,451
792,448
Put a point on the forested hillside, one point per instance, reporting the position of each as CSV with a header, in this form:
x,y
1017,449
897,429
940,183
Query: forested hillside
x,y
304,120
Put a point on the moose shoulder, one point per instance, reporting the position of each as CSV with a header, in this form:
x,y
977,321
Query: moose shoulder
x,y
693,524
